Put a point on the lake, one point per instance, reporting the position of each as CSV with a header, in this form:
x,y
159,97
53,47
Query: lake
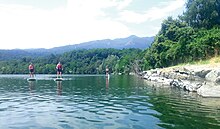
x,y
94,101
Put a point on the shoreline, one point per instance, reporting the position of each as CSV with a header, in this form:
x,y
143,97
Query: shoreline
x,y
202,79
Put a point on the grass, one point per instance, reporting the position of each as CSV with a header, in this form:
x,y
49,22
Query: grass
x,y
203,62
217,59
208,63
211,63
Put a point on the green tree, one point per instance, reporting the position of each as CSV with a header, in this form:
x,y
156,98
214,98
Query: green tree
x,y
202,13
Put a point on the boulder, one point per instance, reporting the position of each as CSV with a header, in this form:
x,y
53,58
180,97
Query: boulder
x,y
209,90
213,75
217,80
201,73
192,86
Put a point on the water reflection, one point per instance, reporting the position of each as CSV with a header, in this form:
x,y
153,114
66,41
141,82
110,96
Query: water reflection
x,y
179,109
107,82
31,85
59,87
95,102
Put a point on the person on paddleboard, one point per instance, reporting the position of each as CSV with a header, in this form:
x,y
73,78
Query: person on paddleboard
x,y
106,71
31,70
59,68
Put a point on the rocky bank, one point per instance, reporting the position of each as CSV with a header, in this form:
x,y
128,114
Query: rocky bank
x,y
203,79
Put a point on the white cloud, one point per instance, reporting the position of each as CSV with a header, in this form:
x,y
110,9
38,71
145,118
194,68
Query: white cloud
x,y
25,26
152,14
29,27
123,4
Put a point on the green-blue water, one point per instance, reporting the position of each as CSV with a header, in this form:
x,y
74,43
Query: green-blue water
x,y
98,102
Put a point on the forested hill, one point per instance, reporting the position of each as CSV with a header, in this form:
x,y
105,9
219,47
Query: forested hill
x,y
14,54
92,61
193,36
120,43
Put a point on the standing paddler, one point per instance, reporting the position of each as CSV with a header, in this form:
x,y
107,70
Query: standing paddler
x,y
31,70
59,68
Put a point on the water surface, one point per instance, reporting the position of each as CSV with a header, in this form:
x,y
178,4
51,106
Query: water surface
x,y
91,101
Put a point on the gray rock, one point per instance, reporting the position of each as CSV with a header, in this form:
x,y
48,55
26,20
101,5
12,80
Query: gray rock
x,y
202,73
188,79
217,80
193,87
213,75
209,90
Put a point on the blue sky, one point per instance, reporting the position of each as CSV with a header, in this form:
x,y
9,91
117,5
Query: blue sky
x,y
52,23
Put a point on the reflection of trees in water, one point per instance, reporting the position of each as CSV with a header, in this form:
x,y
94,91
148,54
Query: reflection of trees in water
x,y
59,87
180,109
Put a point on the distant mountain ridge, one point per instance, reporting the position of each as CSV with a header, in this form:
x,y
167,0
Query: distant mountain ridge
x,y
119,43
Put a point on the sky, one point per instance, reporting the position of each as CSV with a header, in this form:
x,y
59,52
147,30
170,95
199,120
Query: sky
x,y
52,23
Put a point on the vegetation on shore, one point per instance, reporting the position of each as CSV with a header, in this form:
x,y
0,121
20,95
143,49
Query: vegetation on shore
x,y
213,60
92,61
211,64
194,36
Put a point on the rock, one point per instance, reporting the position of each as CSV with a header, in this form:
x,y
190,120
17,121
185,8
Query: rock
x,y
176,83
217,80
153,78
181,70
201,73
186,85
190,78
167,81
146,76
209,90
192,86
183,76
213,75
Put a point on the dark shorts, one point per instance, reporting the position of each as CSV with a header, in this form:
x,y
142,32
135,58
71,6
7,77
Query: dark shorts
x,y
31,70
59,70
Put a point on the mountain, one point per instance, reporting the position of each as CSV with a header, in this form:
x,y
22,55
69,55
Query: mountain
x,y
120,43
13,54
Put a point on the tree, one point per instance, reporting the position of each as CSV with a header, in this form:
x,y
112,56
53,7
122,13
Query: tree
x,y
202,13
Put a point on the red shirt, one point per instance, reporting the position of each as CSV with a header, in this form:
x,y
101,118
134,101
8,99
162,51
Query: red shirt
x,y
31,66
59,66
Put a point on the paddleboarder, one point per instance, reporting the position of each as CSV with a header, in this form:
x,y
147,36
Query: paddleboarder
x,y
107,71
59,68
31,70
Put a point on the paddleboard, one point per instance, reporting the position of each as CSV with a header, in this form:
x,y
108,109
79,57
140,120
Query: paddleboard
x,y
58,79
31,79
107,75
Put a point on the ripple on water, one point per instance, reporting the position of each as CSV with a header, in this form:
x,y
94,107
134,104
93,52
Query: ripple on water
x,y
122,105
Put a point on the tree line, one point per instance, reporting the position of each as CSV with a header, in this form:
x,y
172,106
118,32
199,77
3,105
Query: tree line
x,y
92,61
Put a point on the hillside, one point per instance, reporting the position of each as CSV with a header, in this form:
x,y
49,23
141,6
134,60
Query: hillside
x,y
92,61
13,54
120,43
